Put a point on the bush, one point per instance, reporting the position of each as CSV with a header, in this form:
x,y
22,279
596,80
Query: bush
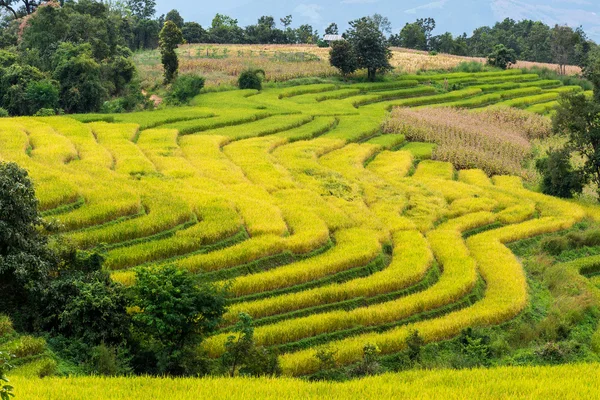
x,y
45,112
558,176
555,245
3,113
185,88
42,95
251,79
48,368
502,57
29,346
6,327
322,44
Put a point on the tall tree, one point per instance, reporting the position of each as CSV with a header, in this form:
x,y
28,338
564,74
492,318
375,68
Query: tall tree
x,y
170,38
144,9
382,23
342,57
286,21
176,18
332,29
563,46
370,46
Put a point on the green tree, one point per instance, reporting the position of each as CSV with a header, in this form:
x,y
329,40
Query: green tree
x,y
591,71
176,313
81,85
370,46
332,29
412,36
243,357
502,57
170,38
414,347
25,260
559,178
82,302
14,83
286,21
41,94
369,364
251,79
185,88
563,43
342,57
578,118
176,18
6,390
144,9
194,33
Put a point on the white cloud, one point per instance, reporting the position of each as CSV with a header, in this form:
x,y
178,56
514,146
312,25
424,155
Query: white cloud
x,y
310,11
429,6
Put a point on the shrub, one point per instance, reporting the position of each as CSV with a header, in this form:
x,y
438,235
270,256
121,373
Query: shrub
x,y
322,44
3,113
6,327
555,245
29,346
558,176
185,88
42,95
45,112
502,57
48,368
251,79
343,57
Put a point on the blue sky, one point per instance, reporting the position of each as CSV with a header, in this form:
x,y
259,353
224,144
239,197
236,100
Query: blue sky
x,y
456,16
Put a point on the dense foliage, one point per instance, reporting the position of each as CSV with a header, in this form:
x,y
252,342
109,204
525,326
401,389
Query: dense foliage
x,y
530,41
72,57
251,79
502,57
369,46
170,38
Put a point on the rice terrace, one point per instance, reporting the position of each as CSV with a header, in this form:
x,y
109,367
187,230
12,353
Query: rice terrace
x,y
297,216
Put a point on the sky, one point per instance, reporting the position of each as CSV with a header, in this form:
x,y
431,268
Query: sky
x,y
455,16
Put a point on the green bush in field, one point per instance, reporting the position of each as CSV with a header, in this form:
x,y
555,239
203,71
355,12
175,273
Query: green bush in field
x,y
251,79
6,390
170,37
502,57
185,88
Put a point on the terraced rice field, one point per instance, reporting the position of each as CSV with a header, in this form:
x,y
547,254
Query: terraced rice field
x,y
331,233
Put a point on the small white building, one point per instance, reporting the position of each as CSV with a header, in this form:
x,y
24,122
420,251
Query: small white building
x,y
332,38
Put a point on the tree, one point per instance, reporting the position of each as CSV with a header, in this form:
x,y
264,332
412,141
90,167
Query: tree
x,y
82,302
170,38
20,8
305,34
144,9
342,57
176,313
414,346
332,29
427,25
42,94
243,357
25,260
563,46
175,17
559,178
185,88
81,86
383,23
412,36
578,118
286,21
193,33
502,57
251,79
370,46
370,363
6,390
15,81
591,71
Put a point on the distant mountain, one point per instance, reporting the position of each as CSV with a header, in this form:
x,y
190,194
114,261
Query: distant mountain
x,y
456,16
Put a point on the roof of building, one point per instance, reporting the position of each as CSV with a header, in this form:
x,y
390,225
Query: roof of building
x,y
332,38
